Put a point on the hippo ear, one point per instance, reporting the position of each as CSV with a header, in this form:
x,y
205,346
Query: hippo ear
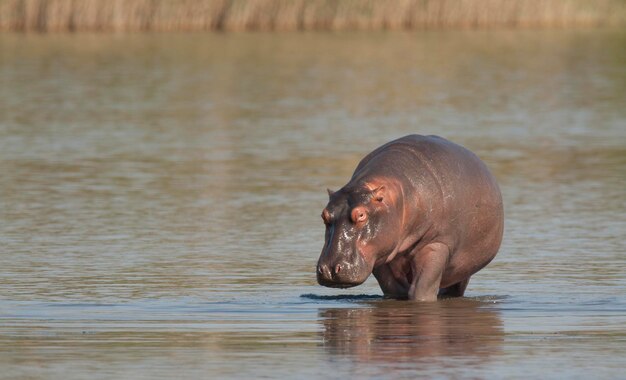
x,y
378,194
330,192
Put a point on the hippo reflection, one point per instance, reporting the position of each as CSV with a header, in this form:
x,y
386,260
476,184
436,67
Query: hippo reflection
x,y
392,331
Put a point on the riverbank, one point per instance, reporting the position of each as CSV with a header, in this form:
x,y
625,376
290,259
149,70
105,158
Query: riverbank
x,y
293,15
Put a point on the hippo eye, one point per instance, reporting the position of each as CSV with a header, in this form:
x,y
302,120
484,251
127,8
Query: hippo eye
x,y
326,217
358,215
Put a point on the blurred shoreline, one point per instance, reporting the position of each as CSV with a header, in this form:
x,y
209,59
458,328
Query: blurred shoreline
x,y
296,15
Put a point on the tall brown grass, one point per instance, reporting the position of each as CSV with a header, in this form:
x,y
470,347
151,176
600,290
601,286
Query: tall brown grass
x,y
196,15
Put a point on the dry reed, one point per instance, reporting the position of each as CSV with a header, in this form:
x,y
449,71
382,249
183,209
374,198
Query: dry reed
x,y
197,15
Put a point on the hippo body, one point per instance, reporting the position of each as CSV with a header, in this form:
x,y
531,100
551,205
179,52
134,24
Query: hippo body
x,y
421,213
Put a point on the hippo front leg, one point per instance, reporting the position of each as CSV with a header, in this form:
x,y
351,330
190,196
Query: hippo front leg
x,y
428,265
391,283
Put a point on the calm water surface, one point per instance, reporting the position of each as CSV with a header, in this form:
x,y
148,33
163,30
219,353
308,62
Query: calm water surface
x,y
160,199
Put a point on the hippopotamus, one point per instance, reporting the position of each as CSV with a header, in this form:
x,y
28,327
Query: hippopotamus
x,y
421,213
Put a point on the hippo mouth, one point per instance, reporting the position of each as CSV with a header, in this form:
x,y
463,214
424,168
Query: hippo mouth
x,y
338,284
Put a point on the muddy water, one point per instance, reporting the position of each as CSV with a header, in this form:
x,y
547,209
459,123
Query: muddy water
x,y
160,199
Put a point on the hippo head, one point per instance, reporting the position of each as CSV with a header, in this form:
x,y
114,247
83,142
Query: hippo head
x,y
361,228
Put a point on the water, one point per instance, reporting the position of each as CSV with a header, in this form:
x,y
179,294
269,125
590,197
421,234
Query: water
x,y
160,198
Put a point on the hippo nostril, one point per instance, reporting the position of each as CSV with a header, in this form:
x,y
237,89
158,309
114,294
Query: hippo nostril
x,y
324,271
337,268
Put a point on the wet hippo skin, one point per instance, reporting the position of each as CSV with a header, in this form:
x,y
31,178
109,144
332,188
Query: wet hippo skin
x,y
421,213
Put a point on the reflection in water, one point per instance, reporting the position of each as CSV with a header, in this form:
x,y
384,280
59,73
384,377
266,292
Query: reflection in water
x,y
396,331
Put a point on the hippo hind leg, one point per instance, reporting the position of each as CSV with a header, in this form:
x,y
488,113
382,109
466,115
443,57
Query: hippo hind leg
x,y
456,290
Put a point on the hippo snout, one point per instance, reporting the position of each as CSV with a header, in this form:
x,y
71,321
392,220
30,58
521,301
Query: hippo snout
x,y
339,275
